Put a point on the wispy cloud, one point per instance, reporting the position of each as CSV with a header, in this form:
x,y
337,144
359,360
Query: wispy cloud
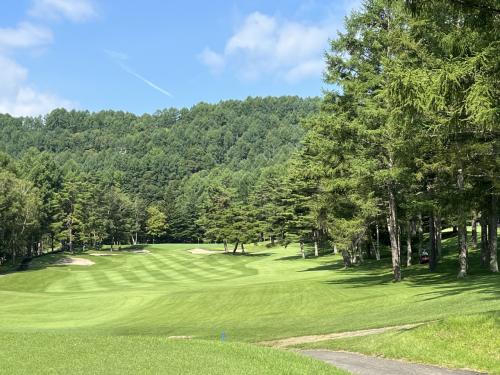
x,y
25,35
74,10
17,95
120,58
264,45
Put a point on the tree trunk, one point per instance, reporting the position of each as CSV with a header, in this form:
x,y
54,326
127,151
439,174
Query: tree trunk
x,y
432,244
70,235
346,258
236,246
492,232
316,247
272,240
474,229
420,231
408,245
394,236
302,249
462,232
485,248
438,234
225,245
242,248
377,245
462,243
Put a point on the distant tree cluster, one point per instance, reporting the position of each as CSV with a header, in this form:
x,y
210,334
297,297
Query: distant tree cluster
x,y
73,178
409,136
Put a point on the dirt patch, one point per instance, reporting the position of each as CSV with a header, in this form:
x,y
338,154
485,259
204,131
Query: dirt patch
x,y
203,251
335,336
180,337
74,262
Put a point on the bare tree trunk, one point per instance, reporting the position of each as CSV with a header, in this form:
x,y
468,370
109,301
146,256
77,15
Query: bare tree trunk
x,y
236,246
462,255
420,231
70,235
492,231
462,232
302,249
377,246
394,236
474,229
316,247
242,248
485,247
346,258
438,234
225,245
408,245
432,244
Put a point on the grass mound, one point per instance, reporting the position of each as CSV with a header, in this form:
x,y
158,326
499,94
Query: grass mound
x,y
79,354
470,341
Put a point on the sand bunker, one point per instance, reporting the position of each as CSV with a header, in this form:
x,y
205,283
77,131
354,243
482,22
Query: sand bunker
x,y
103,255
74,262
203,251
141,251
180,337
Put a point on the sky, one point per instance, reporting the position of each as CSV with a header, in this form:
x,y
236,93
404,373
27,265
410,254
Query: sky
x,y
148,55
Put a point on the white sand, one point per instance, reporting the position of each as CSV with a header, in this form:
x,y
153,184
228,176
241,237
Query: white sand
x,y
74,262
203,251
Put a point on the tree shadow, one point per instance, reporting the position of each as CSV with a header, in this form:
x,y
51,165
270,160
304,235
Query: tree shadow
x,y
35,263
247,254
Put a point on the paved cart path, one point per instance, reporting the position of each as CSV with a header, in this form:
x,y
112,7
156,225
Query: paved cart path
x,y
359,364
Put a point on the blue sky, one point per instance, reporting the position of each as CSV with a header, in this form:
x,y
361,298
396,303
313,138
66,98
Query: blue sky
x,y
141,56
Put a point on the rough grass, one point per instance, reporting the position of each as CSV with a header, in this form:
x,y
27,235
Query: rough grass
x,y
74,354
268,294
471,341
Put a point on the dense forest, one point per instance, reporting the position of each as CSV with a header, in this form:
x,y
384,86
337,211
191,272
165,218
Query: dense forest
x,y
112,177
404,144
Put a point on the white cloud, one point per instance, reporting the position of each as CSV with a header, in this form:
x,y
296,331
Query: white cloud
x,y
74,10
265,45
18,98
25,35
305,69
215,61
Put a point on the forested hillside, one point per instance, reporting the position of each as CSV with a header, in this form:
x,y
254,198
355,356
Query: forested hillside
x,y
404,145
105,174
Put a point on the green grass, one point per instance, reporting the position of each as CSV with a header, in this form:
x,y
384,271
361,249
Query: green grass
x,y
470,341
269,294
65,354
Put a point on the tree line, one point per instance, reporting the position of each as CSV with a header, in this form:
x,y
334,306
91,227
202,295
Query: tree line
x,y
75,179
403,144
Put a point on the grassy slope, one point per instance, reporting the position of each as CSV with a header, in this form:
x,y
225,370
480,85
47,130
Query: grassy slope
x,y
66,354
471,341
269,294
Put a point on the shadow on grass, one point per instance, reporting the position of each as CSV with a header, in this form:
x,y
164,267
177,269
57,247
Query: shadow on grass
x,y
247,254
443,282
